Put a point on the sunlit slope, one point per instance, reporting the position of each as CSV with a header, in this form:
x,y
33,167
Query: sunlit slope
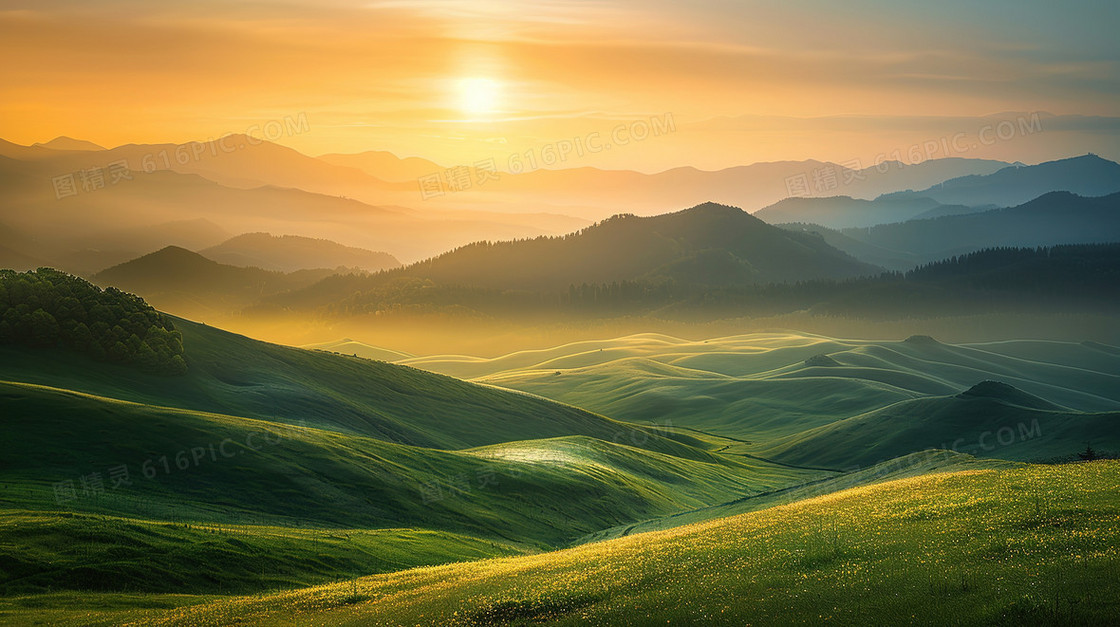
x,y
913,465
234,488
990,419
766,385
359,349
1031,545
45,551
248,471
232,374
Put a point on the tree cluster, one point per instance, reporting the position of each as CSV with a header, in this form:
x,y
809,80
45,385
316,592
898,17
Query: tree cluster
x,y
48,308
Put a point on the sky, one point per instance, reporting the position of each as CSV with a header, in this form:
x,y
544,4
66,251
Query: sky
x,y
729,82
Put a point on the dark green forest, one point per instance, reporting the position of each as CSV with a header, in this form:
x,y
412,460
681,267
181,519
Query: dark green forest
x,y
1051,279
47,308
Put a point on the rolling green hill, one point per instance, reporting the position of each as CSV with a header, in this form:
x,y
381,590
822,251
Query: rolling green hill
x,y
990,419
1033,545
234,375
762,386
211,468
265,469
260,458
346,346
912,465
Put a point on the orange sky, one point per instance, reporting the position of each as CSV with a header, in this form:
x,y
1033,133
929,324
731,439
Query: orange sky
x,y
459,81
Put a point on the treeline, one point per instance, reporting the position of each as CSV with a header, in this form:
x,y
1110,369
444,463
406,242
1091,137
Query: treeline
x,y
1081,278
48,308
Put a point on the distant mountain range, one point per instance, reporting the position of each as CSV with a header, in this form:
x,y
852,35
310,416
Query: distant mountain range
x,y
842,211
43,195
385,165
709,262
1088,175
191,285
590,192
1055,217
290,253
201,194
382,179
63,142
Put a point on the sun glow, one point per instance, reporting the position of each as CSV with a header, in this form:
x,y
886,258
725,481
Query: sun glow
x,y
478,96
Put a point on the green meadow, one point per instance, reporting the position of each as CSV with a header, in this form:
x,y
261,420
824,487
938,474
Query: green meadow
x,y
768,478
1033,545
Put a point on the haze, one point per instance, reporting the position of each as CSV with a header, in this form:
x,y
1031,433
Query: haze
x,y
460,82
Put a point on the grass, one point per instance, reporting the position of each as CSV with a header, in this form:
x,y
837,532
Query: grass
x,y
45,551
212,471
764,386
1032,545
1001,423
230,512
915,464
234,375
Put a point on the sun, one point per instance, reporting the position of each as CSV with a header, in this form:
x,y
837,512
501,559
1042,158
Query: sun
x,y
478,96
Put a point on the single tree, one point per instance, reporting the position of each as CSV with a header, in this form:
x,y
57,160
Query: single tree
x,y
1089,454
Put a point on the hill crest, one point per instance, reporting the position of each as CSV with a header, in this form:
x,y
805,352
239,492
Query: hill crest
x,y
1007,394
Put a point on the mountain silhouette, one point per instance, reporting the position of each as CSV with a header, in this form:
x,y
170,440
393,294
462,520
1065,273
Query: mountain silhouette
x,y
63,142
709,244
1087,175
288,253
1051,219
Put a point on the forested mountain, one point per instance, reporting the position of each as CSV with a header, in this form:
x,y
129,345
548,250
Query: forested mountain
x,y
840,212
709,244
1051,219
188,284
1011,186
1060,278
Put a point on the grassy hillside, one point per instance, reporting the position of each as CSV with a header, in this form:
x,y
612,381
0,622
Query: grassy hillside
x,y
265,469
95,552
912,465
234,375
1032,545
766,385
346,346
155,465
990,419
